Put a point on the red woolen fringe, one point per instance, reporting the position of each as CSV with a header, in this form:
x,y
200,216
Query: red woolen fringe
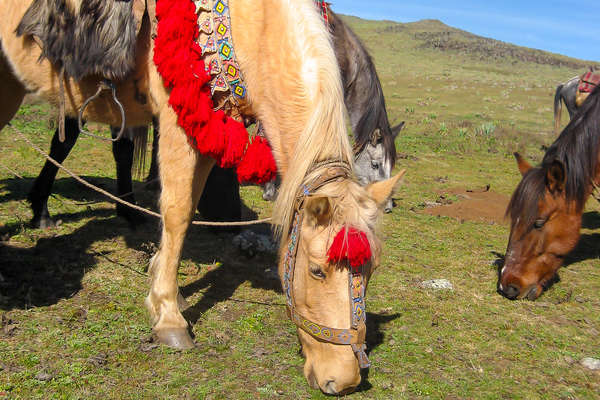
x,y
258,165
178,59
352,245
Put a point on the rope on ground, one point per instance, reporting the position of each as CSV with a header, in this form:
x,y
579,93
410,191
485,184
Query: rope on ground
x,y
119,200
11,171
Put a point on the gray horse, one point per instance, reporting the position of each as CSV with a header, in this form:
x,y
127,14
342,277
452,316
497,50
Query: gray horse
x,y
567,93
374,149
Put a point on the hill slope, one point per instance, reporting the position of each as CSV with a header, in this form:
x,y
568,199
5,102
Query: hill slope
x,y
435,34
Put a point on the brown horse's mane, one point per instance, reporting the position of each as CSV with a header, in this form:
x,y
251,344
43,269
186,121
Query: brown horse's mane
x,y
577,149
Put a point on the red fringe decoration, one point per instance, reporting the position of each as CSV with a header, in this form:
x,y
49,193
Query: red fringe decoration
x,y
352,245
178,59
258,165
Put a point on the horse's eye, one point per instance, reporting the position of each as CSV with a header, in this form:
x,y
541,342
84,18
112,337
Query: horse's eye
x,y
539,223
316,271
374,165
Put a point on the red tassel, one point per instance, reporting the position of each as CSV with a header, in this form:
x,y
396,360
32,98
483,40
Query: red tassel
x,y
352,245
237,141
258,165
213,141
178,59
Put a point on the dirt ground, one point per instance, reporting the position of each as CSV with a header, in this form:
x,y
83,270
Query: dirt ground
x,y
481,205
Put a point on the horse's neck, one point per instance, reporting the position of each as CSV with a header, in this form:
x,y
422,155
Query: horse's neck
x,y
353,61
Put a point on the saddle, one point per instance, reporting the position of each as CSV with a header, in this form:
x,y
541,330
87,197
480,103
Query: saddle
x,y
587,84
86,37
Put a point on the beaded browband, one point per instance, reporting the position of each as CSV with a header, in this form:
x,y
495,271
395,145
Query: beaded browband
x,y
355,335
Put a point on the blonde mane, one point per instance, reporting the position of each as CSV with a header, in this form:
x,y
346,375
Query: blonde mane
x,y
324,135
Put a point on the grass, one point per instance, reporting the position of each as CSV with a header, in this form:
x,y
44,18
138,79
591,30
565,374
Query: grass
x,y
71,299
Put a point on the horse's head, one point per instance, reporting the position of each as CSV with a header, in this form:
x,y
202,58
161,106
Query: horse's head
x,y
544,229
374,161
329,257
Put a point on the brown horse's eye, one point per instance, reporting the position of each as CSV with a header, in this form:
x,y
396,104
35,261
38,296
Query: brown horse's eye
x,y
316,271
539,224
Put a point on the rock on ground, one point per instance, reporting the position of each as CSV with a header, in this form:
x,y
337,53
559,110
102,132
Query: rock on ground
x,y
591,363
252,243
438,284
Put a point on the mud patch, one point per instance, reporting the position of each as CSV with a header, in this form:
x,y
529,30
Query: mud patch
x,y
480,205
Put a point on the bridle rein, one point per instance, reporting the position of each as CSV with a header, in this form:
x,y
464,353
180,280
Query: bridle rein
x,y
356,334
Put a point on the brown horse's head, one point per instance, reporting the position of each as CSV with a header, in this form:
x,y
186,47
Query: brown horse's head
x,y
544,229
320,287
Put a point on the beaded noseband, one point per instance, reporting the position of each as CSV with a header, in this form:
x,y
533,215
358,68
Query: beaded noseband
x,y
355,335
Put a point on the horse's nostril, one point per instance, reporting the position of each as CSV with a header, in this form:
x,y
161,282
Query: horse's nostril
x,y
511,292
330,388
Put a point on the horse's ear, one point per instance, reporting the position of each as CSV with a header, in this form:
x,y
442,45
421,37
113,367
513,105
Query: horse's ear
x,y
396,129
556,177
375,137
524,166
382,190
318,209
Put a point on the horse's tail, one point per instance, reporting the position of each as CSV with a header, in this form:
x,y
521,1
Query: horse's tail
x,y
557,108
140,144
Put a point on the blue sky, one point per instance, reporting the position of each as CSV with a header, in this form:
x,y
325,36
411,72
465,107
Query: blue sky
x,y
571,28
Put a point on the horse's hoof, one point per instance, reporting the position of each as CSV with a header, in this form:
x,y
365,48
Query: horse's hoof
x,y
133,217
177,338
43,223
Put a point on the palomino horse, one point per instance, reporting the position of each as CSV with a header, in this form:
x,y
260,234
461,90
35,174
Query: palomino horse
x,y
301,107
547,206
374,150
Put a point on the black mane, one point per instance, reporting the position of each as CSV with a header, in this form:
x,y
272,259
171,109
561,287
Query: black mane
x,y
577,149
363,94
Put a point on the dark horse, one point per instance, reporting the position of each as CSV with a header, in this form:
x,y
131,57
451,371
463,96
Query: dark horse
x,y
375,151
221,203
546,208
565,92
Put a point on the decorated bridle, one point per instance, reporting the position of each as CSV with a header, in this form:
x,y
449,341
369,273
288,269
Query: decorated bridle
x,y
349,245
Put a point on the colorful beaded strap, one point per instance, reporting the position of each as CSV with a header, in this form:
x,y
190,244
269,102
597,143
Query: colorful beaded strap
x,y
215,39
355,336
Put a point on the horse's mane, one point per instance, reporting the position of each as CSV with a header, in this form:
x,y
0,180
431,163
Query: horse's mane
x,y
362,88
577,149
85,37
323,136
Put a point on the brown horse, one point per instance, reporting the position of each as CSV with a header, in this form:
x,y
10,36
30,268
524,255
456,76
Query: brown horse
x,y
547,206
301,106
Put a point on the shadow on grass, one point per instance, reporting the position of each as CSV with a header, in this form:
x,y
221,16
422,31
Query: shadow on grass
x,y
54,267
375,337
220,283
18,189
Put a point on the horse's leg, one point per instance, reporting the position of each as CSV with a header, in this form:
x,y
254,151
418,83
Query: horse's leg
x,y
123,154
183,173
221,200
42,187
153,173
12,93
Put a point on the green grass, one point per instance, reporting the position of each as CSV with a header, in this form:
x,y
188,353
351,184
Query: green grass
x,y
77,313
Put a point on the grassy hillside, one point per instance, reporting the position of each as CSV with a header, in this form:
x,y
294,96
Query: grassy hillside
x,y
72,323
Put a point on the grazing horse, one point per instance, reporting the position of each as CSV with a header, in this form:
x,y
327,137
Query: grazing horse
x,y
330,223
565,92
547,206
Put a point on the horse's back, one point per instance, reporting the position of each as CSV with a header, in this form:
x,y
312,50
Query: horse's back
x,y
38,75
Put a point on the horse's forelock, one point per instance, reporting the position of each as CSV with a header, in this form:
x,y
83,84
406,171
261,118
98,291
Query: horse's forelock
x,y
523,205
